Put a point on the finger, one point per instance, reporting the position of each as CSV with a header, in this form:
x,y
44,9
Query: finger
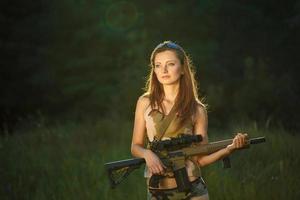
x,y
154,170
157,170
150,170
238,136
234,142
160,169
244,139
162,172
239,142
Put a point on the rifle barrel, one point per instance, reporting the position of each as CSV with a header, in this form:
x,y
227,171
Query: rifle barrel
x,y
212,147
257,140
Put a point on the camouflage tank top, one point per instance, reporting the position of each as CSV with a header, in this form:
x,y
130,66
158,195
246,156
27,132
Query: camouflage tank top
x,y
154,119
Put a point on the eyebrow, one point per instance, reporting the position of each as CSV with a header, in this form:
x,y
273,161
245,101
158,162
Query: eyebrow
x,y
167,61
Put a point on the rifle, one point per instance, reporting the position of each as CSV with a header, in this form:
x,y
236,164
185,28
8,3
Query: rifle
x,y
173,154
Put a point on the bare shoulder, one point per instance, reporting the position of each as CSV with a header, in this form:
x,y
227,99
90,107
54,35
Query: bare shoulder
x,y
201,122
201,110
143,102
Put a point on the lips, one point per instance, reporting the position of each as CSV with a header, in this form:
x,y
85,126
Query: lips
x,y
165,76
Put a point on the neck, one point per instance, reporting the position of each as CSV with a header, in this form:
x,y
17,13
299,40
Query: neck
x,y
171,92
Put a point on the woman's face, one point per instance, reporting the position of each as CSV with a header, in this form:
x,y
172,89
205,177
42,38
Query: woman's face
x,y
167,67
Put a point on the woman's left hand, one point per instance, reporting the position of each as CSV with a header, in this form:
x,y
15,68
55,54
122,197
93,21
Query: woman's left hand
x,y
239,141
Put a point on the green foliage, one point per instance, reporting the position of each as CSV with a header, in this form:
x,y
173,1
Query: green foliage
x,y
65,161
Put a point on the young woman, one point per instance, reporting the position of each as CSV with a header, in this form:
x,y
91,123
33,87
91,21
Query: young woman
x,y
172,87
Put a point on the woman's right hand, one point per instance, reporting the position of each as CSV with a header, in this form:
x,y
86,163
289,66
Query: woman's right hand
x,y
153,162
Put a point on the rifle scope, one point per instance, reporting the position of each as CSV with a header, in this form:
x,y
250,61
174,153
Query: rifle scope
x,y
183,140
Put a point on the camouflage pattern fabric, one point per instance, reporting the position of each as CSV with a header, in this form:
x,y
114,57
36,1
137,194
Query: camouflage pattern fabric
x,y
154,120
198,189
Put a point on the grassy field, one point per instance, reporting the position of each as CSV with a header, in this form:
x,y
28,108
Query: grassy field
x,y
65,161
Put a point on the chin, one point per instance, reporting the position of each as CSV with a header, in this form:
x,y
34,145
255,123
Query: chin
x,y
169,82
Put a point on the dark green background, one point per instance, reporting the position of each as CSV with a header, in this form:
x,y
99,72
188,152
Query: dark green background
x,y
87,59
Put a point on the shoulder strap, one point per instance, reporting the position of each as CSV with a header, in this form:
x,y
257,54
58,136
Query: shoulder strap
x,y
167,121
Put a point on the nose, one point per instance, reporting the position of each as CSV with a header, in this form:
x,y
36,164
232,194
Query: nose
x,y
165,68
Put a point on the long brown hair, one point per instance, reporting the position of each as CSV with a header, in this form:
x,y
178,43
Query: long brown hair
x,y
187,98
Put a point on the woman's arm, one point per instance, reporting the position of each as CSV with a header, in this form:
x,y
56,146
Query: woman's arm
x,y
201,129
137,145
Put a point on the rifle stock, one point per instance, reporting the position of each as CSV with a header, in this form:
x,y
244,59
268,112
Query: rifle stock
x,y
122,167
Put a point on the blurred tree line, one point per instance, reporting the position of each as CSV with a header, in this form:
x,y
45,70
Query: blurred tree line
x,y
89,59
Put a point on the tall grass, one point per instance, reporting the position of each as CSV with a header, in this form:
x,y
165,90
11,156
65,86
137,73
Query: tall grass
x,y
65,161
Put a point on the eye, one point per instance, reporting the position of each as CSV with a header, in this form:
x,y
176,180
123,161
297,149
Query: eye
x,y
156,66
171,64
